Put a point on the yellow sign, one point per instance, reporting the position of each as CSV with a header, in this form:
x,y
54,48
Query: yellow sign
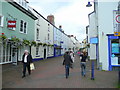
x,y
116,33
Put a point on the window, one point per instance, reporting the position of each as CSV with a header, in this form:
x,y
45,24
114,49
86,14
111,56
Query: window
x,y
48,36
23,27
37,36
37,51
48,51
23,3
25,24
1,21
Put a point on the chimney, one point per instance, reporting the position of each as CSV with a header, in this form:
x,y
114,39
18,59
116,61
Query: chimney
x,y
50,18
60,27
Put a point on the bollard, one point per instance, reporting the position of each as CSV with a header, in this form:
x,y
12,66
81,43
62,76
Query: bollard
x,y
92,70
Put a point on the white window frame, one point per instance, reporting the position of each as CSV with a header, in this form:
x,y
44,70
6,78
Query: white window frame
x,y
37,34
37,51
23,26
2,21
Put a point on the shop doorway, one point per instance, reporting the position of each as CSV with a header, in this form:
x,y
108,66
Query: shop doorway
x,y
44,53
14,55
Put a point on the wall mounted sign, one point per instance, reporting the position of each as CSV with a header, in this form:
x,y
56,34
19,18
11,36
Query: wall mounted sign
x,y
116,22
11,24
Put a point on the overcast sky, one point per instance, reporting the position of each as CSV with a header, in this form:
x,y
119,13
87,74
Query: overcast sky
x,y
71,14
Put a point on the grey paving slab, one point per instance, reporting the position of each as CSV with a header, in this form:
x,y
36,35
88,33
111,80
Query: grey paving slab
x,y
50,73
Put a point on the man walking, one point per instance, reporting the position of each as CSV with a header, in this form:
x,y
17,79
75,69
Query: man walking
x,y
67,61
26,60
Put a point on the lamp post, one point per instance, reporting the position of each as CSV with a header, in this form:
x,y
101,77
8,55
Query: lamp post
x,y
92,63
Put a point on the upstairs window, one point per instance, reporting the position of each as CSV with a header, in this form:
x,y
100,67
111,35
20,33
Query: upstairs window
x,y
23,27
37,34
1,21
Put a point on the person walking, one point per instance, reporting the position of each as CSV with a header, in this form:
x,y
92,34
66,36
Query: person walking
x,y
67,61
72,56
83,63
26,60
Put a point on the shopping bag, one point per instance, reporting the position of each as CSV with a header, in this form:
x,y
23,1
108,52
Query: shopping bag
x,y
32,66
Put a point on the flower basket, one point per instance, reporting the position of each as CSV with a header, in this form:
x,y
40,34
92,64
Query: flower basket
x,y
39,44
33,43
26,42
44,44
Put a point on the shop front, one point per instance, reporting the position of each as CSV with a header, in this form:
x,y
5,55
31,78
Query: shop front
x,y
114,51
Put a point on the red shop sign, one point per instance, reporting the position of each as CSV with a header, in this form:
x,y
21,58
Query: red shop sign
x,y
11,24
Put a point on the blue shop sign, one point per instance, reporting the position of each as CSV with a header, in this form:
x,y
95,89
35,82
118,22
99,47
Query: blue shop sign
x,y
94,40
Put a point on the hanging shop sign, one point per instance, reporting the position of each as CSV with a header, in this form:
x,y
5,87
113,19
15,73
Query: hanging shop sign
x,y
11,24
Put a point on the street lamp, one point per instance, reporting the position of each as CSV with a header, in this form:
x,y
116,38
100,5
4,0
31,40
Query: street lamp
x,y
89,4
92,64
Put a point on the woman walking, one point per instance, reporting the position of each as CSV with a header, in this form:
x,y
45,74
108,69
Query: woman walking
x,y
83,63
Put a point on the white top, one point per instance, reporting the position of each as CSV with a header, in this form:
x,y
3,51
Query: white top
x,y
71,54
25,59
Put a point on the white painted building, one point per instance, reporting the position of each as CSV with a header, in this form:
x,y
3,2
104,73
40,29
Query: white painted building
x,y
43,35
102,21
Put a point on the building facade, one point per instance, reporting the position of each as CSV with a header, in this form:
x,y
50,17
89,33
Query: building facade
x,y
106,40
17,25
22,27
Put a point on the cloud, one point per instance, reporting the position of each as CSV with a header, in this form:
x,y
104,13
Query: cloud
x,y
71,14
74,19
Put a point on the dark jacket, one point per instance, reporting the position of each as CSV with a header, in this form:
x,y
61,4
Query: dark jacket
x,y
29,59
84,57
67,59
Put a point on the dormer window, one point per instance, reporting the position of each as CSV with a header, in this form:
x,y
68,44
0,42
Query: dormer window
x,y
23,3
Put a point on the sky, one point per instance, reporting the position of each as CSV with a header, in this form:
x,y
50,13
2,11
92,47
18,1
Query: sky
x,y
71,14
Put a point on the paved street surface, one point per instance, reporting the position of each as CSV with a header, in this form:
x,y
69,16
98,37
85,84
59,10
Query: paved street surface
x,y
50,73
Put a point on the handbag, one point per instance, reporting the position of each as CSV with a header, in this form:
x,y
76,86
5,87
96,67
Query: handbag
x,y
32,66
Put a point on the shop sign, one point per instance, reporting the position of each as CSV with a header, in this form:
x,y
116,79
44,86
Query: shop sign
x,y
11,24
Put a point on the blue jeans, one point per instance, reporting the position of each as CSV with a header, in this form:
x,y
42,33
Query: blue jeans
x,y
67,70
83,68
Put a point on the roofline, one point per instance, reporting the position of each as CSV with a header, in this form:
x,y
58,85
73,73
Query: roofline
x,y
15,4
48,21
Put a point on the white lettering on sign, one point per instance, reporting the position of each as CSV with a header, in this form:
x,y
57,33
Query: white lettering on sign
x,y
11,23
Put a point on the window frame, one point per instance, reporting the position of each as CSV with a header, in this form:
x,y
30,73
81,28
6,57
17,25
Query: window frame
x,y
37,51
23,26
37,34
2,21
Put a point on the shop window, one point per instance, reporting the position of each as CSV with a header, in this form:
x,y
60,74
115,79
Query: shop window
x,y
115,49
115,46
37,51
